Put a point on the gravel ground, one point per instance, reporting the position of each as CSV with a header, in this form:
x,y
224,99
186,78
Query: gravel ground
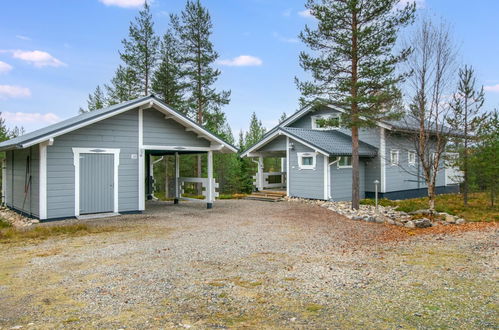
x,y
250,264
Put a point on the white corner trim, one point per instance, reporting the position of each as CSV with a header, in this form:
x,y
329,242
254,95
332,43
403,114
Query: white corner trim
x,y
302,155
42,168
288,177
210,194
76,162
382,156
141,164
326,178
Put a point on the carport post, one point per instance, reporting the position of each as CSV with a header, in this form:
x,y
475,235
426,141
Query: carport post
x,y
177,175
209,188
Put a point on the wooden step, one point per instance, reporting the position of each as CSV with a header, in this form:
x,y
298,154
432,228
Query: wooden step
x,y
267,196
270,193
263,199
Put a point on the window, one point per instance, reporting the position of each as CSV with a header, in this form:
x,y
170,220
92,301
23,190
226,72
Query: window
x,y
306,160
394,157
345,162
411,157
326,122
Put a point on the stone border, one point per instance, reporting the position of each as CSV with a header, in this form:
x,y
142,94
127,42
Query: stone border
x,y
16,219
385,214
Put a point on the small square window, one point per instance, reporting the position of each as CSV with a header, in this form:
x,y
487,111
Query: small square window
x,y
394,157
345,162
306,160
326,122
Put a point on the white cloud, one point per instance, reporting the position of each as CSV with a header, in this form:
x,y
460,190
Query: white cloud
x,y
243,60
10,91
19,36
124,3
420,4
27,118
492,88
37,57
5,67
285,39
305,13
287,12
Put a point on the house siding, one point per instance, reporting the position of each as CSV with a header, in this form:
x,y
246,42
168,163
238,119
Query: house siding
x,y
305,183
159,131
16,197
341,181
121,132
278,144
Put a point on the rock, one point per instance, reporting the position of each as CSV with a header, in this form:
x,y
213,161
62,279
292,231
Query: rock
x,y
35,221
357,218
410,224
390,221
422,223
460,221
425,212
450,218
378,220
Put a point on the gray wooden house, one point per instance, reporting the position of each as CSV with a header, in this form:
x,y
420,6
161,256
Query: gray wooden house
x,y
316,159
98,162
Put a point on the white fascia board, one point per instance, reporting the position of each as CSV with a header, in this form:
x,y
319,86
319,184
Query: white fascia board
x,y
182,148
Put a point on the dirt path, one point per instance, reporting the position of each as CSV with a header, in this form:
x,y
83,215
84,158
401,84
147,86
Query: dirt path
x,y
251,264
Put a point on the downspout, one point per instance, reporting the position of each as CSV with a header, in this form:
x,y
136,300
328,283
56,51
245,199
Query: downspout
x,y
329,176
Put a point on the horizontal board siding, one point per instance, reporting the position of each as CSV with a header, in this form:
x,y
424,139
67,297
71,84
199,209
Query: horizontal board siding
x,y
159,131
120,132
17,197
341,182
278,144
305,183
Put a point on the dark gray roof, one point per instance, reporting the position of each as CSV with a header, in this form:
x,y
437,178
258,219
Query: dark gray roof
x,y
332,142
19,141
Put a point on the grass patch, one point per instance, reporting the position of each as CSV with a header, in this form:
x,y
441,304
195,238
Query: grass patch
x,y
4,224
313,308
11,234
478,208
232,196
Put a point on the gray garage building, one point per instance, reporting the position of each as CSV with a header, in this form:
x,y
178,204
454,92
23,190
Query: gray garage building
x,y
98,162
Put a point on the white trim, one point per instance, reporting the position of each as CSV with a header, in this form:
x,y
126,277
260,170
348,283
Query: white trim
x,y
394,152
182,148
382,155
141,164
330,195
140,105
42,208
326,177
302,155
288,177
409,153
4,179
76,162
278,133
344,166
325,116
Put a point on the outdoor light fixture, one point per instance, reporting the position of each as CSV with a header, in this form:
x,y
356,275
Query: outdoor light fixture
x,y
291,146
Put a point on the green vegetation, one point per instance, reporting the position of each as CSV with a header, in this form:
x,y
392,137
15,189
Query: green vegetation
x,y
4,224
478,208
11,234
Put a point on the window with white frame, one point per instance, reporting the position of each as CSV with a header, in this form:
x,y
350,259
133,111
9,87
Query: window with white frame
x,y
326,122
394,157
345,162
306,160
411,157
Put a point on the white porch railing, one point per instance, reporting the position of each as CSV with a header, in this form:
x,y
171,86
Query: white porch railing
x,y
266,184
205,190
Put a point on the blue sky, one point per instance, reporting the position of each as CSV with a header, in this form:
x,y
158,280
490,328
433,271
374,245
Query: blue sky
x,y
54,52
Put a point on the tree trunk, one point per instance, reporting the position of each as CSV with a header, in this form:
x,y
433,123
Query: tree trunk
x,y
431,198
354,115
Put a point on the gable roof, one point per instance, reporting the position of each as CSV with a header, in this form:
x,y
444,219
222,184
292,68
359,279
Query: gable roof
x,y
329,143
333,142
91,117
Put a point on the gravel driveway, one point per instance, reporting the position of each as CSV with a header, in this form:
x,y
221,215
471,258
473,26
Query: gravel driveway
x,y
250,264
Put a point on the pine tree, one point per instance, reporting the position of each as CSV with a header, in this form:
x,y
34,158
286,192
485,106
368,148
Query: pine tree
x,y
168,79
465,117
255,132
95,101
283,117
141,49
353,63
194,28
123,86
